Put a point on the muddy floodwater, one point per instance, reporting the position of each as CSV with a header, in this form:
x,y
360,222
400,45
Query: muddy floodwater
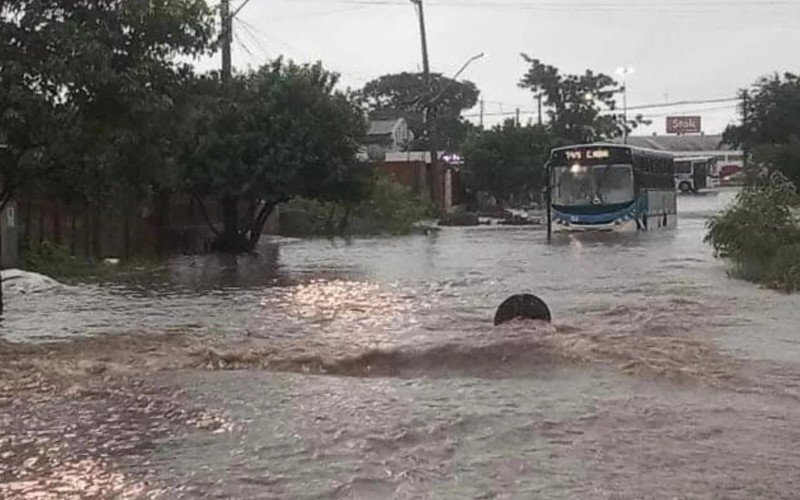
x,y
371,369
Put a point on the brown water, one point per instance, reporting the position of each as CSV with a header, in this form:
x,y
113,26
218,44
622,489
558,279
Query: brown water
x,y
371,369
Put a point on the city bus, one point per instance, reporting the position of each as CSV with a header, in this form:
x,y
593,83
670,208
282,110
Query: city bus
x,y
695,174
610,187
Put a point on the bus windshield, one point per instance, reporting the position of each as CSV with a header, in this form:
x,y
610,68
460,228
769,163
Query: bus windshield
x,y
599,185
683,167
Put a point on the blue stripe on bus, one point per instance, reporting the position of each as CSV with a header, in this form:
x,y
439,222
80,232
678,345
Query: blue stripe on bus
x,y
628,213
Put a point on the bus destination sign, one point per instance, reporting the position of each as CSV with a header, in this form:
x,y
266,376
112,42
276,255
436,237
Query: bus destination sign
x,y
587,154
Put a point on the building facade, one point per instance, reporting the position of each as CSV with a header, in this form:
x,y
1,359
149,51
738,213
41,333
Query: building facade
x,y
693,146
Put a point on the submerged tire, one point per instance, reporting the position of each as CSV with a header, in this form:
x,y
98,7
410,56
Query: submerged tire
x,y
523,306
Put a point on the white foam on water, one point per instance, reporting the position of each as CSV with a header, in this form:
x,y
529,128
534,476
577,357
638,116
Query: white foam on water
x,y
18,281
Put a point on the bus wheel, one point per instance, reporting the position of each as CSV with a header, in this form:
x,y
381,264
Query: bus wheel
x,y
685,187
523,306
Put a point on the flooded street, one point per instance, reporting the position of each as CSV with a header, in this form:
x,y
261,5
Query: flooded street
x,y
371,369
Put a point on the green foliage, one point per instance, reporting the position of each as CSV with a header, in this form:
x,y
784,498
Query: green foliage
x,y
581,108
760,235
407,94
389,209
278,132
47,257
507,162
86,88
56,262
771,131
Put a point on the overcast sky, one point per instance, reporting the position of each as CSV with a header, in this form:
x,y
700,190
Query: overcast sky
x,y
681,50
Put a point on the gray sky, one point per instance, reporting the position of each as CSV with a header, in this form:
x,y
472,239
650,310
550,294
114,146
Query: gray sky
x,y
681,50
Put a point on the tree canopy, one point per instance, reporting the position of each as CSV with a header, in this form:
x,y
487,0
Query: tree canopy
x,y
84,86
407,94
581,108
507,162
97,107
771,130
278,132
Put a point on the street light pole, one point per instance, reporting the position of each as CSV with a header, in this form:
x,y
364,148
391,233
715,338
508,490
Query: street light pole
x,y
622,72
453,78
625,113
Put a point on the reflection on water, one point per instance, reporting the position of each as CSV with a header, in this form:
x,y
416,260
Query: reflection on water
x,y
401,387
379,291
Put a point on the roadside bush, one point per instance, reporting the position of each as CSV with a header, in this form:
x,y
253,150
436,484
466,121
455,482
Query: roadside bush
x,y
760,235
55,261
46,257
390,209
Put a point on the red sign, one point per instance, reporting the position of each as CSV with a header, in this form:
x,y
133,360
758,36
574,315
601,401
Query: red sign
x,y
684,125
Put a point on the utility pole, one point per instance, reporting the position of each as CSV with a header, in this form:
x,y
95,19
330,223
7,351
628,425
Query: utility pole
x,y
745,120
426,68
482,109
227,37
429,120
623,72
517,120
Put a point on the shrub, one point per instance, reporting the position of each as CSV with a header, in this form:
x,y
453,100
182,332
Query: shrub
x,y
390,208
46,257
760,235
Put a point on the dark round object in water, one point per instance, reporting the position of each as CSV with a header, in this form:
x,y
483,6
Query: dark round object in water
x,y
524,306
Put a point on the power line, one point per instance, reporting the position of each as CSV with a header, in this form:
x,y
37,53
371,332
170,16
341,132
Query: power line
x,y
309,15
281,46
638,107
249,32
706,110
530,112
236,12
241,44
684,103
571,6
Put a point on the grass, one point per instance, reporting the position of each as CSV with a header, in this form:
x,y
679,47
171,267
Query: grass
x,y
56,262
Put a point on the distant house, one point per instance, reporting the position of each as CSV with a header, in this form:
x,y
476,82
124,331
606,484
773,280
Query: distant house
x,y
386,135
692,145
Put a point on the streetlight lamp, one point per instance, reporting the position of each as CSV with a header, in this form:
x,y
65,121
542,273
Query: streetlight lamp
x,y
458,73
430,126
622,72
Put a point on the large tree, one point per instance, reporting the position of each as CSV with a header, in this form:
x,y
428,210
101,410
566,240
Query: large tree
x,y
79,81
99,65
276,133
408,94
771,130
581,108
507,162
87,89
